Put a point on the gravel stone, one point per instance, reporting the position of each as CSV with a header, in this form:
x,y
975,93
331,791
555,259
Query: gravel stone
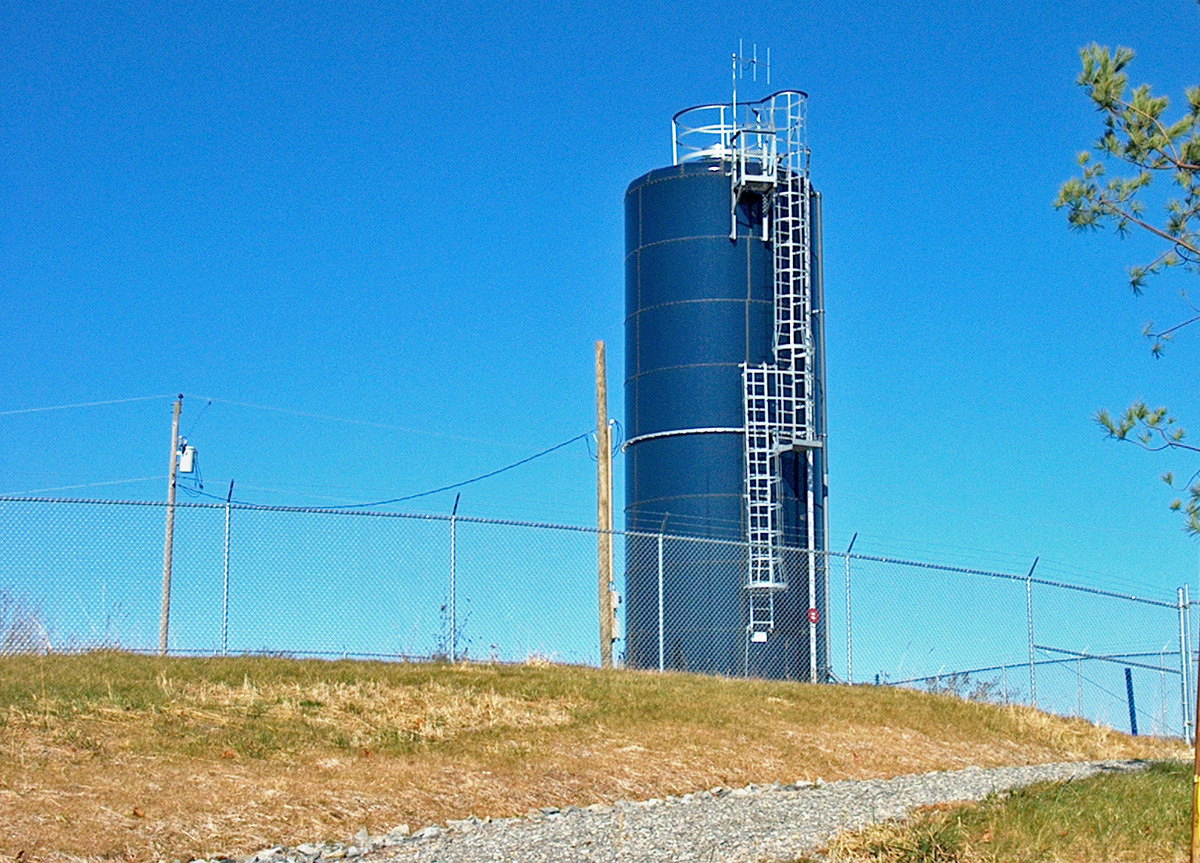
x,y
755,824
750,825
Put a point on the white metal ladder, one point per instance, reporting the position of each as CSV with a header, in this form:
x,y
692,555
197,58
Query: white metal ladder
x,y
777,396
762,479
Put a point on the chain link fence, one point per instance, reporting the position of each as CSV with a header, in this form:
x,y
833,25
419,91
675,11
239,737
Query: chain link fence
x,y
83,575
1014,638
80,575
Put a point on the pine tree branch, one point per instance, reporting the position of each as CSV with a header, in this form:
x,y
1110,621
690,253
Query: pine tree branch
x,y
1173,157
1158,232
1178,326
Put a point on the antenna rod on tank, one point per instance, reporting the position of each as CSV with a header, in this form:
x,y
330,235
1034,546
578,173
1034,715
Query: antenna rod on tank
x,y
735,78
741,61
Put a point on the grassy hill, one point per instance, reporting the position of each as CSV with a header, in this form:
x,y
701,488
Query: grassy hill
x,y
115,756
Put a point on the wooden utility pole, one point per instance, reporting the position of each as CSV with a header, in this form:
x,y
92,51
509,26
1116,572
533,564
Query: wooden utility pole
x,y
164,625
604,510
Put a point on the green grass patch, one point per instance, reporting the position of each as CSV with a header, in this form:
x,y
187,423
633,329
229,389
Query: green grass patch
x,y
1114,817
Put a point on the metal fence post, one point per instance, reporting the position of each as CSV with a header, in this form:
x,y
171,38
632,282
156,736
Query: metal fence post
x,y
812,600
1132,704
1190,665
1079,687
225,581
661,635
1185,686
1029,617
1162,691
453,580
849,624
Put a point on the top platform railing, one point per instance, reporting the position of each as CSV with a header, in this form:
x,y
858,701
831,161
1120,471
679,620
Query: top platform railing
x,y
766,130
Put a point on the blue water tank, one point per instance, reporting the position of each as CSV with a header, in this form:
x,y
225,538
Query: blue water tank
x,y
698,305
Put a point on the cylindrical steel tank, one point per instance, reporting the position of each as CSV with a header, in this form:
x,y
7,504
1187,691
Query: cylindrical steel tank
x,y
698,305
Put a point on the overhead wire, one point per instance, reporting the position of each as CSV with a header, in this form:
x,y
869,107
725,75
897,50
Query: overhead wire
x,y
734,526
185,481
619,440
291,491
192,427
88,485
455,485
83,405
350,421
449,487
614,443
310,415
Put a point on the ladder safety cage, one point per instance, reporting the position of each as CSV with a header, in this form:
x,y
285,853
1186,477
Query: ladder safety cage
x,y
779,396
763,147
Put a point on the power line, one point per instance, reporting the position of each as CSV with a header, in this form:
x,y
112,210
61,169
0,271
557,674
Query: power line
x,y
88,485
488,475
192,428
291,411
337,419
83,405
455,485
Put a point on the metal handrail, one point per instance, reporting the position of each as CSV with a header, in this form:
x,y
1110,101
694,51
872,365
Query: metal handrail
x,y
696,134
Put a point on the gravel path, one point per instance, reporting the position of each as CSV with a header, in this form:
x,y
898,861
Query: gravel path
x,y
752,824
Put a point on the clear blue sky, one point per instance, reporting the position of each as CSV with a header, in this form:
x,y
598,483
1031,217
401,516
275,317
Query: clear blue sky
x,y
411,215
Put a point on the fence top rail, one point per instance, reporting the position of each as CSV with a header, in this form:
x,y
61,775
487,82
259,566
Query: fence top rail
x,y
462,519
678,537
1118,659
358,513
309,510
1008,576
312,510
191,504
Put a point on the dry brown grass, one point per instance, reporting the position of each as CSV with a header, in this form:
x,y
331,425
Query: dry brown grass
x,y
121,757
